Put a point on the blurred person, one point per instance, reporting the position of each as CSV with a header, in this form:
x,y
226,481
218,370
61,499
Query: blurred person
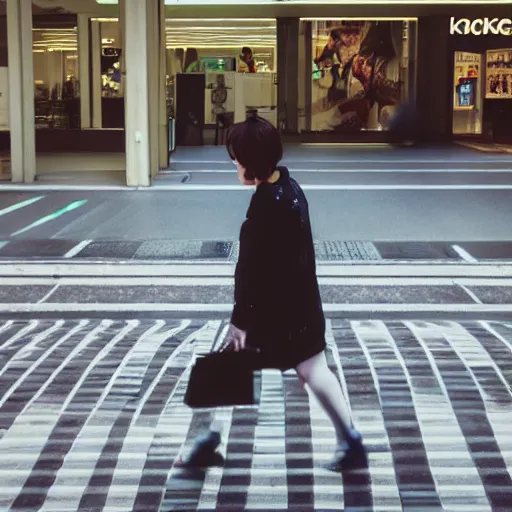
x,y
277,309
192,62
403,125
246,61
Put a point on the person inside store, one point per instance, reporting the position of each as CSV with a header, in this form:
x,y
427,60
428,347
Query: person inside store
x,y
369,66
246,61
330,56
192,62
277,313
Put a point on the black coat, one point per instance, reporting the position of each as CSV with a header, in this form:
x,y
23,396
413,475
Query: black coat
x,y
277,300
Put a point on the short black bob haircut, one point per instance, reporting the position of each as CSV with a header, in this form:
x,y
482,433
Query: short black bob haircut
x,y
256,145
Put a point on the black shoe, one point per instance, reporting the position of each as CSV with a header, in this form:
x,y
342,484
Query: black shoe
x,y
204,454
350,455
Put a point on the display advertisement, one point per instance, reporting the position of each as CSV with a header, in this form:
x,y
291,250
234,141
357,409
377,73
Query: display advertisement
x,y
357,71
4,98
466,80
499,74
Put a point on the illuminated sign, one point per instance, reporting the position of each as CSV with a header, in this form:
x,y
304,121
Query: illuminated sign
x,y
481,27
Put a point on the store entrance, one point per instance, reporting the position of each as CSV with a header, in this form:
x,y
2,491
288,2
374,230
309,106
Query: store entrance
x,y
467,94
482,90
217,70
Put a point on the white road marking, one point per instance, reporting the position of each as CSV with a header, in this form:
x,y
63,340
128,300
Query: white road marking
x,y
28,348
45,298
464,254
19,205
494,332
184,269
471,293
77,249
331,187
343,170
206,281
20,334
156,187
227,308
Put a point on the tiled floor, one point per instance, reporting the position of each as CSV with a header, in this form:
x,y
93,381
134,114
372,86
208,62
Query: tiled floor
x,y
92,418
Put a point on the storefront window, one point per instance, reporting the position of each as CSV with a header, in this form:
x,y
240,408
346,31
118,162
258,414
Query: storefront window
x,y
56,79
217,69
467,101
359,73
499,74
111,54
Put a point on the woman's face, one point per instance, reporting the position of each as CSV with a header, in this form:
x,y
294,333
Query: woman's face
x,y
240,169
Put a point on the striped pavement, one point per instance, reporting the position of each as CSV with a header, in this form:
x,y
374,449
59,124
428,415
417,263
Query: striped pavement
x,y
92,418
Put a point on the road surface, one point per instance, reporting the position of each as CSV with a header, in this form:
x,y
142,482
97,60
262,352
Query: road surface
x,y
92,418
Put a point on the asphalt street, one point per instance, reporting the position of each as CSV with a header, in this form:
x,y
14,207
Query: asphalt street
x,y
392,214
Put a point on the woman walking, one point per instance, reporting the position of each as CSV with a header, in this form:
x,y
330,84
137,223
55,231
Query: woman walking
x,y
278,308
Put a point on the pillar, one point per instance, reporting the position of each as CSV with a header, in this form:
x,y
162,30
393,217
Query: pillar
x,y
144,122
153,32
121,38
287,73
137,128
21,90
162,81
96,75
84,73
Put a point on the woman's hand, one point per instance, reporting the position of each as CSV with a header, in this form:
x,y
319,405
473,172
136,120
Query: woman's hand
x,y
235,339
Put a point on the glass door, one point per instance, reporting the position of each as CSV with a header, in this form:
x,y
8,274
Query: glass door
x,y
467,94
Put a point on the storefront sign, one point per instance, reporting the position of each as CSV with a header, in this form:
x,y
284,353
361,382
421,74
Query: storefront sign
x,y
481,26
4,99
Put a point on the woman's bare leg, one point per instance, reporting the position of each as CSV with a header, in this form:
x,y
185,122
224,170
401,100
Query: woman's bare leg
x,y
327,389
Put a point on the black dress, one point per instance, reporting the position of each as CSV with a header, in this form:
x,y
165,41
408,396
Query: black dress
x,y
277,299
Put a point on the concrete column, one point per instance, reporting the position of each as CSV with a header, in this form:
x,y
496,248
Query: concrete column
x,y
153,31
121,45
163,139
21,90
287,72
137,116
96,74
84,70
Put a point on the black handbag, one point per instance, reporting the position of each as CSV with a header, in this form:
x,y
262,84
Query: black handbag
x,y
224,378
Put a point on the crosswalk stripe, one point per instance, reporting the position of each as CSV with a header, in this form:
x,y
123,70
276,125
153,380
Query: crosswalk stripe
x,y
362,390
469,408
268,486
176,427
434,412
432,400
415,480
76,410
74,460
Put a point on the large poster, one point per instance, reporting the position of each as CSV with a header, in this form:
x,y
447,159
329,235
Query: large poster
x,y
4,98
499,74
358,74
466,80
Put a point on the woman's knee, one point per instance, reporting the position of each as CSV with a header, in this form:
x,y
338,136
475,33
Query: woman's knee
x,y
307,369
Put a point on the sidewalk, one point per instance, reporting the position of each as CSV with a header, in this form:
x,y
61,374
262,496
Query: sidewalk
x,y
94,420
351,156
